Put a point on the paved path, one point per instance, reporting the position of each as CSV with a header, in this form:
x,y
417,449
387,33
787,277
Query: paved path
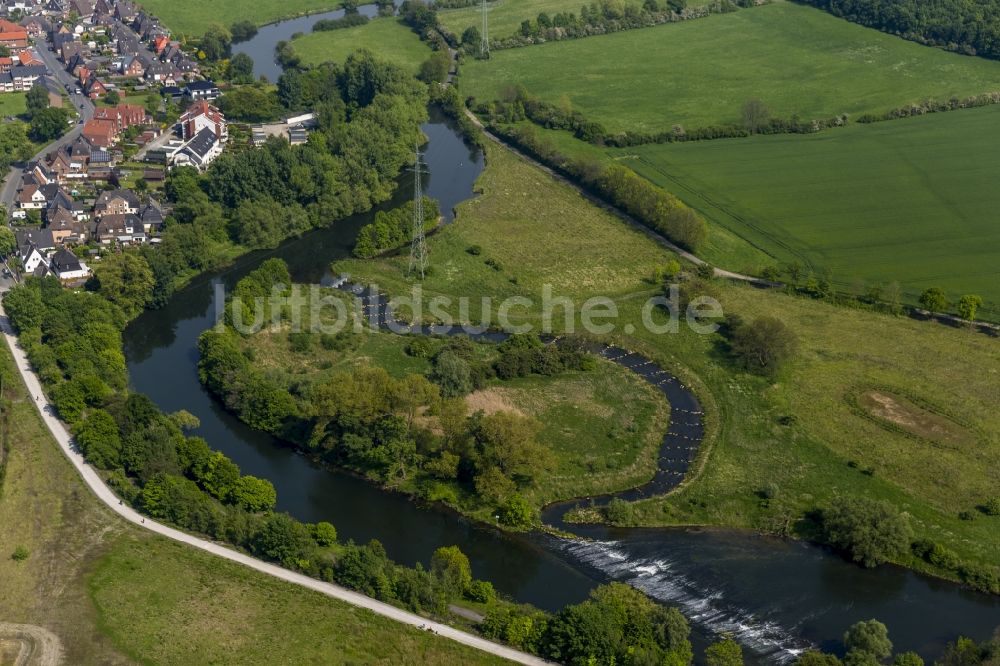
x,y
96,485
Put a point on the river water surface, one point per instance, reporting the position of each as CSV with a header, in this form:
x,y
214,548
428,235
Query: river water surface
x,y
776,597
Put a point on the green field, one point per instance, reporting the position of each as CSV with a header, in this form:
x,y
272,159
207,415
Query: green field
x,y
799,432
12,104
796,59
115,594
193,17
387,37
912,200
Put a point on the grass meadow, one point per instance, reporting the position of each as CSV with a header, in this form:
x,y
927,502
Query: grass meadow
x,y
798,60
387,37
801,431
193,17
910,200
13,104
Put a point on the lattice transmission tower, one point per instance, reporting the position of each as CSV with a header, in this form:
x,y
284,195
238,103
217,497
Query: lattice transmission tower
x,y
418,245
484,44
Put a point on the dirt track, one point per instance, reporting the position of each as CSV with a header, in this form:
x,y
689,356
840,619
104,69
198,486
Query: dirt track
x,y
39,646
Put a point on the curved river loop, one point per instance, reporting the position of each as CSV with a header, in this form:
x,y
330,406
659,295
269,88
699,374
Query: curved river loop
x,y
776,597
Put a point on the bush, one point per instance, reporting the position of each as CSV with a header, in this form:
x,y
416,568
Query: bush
x,y
992,506
20,554
300,342
475,250
516,512
419,347
763,346
871,532
324,533
618,511
481,591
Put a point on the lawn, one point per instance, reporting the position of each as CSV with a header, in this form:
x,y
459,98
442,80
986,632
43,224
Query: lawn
x,y
801,432
912,200
193,17
387,37
115,594
12,104
796,59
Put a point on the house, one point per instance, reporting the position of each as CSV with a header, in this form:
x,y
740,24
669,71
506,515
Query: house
x,y
116,202
125,11
6,83
151,216
196,90
100,133
32,246
24,77
36,26
94,88
80,149
125,229
160,72
122,115
83,8
200,115
65,228
161,42
68,267
199,152
132,67
6,62
55,195
29,58
173,93
31,197
12,35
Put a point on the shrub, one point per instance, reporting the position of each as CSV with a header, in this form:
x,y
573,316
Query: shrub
x,y
300,342
992,506
516,512
618,511
475,250
763,346
872,532
20,553
324,533
481,591
419,347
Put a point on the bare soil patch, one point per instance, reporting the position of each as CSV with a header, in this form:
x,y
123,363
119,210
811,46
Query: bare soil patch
x,y
492,400
913,418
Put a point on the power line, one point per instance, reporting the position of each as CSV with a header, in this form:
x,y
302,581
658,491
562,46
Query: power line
x,y
484,44
418,246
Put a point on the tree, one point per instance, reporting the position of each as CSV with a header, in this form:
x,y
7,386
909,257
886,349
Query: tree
x,y
152,103
435,68
242,31
325,534
48,124
126,280
516,512
216,43
253,494
968,306
24,306
112,98
816,658
452,374
99,440
282,539
871,531
15,146
763,346
908,659
869,637
726,652
8,242
37,100
241,68
451,568
472,39
506,441
755,115
934,299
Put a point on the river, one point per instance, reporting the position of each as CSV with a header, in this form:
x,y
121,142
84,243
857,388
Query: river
x,y
775,596
261,46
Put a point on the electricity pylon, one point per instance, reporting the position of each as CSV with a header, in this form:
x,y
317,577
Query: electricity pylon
x,y
418,246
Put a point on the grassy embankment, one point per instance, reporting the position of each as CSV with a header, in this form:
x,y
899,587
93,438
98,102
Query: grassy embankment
x,y
802,432
193,17
798,60
115,594
387,37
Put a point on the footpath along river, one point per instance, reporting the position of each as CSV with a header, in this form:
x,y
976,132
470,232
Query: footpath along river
x,y
776,597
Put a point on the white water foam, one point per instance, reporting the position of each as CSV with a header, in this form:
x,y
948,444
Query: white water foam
x,y
660,579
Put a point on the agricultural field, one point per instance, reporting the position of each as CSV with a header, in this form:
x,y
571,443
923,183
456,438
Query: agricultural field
x,y
193,17
115,594
810,431
387,37
910,200
797,60
12,104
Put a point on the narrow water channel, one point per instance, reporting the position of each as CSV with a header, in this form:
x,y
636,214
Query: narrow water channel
x,y
776,597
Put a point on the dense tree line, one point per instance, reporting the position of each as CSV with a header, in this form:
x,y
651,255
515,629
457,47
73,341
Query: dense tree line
x,y
393,229
966,26
649,204
347,21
